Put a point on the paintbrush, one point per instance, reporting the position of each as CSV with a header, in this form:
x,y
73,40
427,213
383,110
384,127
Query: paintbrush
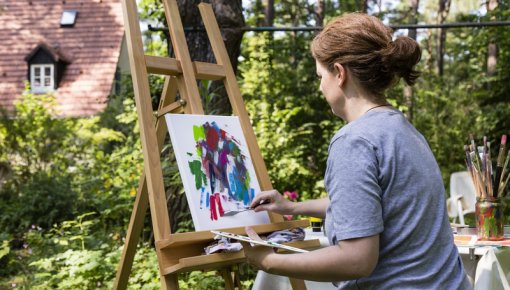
x,y
477,173
234,212
499,166
502,184
473,171
490,188
483,165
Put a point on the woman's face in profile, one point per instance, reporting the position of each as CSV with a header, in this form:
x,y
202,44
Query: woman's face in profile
x,y
330,87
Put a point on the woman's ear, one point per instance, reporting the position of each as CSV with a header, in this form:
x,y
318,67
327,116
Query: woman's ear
x,y
341,73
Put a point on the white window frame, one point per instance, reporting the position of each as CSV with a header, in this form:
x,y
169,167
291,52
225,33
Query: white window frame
x,y
41,88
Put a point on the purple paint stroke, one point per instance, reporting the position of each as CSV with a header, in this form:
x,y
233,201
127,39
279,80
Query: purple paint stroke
x,y
219,150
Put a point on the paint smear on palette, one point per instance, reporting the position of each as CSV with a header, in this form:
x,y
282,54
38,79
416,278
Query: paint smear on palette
x,y
216,170
221,162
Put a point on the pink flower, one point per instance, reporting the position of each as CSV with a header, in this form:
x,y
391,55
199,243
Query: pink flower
x,y
292,195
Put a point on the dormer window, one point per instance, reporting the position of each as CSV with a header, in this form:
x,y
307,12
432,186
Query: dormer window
x,y
46,67
42,78
68,18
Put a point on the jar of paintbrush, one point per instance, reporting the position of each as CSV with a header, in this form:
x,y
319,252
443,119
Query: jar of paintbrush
x,y
490,186
490,222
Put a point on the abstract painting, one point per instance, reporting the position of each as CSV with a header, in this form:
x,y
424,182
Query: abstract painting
x,y
216,170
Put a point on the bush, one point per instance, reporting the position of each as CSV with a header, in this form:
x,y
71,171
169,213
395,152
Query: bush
x,y
43,200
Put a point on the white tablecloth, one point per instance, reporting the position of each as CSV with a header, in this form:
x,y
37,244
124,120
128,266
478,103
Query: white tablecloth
x,y
488,268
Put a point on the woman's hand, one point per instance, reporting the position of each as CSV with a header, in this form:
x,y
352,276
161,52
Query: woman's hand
x,y
257,255
273,201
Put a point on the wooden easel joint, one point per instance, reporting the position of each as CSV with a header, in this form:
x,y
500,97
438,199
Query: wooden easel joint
x,y
175,107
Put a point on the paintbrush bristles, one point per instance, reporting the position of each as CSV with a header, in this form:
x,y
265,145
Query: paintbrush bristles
x,y
502,148
489,182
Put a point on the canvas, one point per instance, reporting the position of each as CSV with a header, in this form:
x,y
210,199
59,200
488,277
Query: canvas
x,y
216,170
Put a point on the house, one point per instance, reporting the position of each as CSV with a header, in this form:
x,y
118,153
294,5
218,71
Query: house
x,y
74,49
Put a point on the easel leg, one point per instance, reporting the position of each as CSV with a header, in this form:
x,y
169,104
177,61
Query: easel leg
x,y
142,202
227,277
237,279
297,284
169,282
133,234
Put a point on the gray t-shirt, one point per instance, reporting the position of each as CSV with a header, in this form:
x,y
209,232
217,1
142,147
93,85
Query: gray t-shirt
x,y
382,178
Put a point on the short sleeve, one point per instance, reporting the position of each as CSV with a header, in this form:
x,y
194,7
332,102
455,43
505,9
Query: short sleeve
x,y
352,184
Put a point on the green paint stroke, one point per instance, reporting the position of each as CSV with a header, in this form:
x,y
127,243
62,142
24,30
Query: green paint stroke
x,y
198,133
196,169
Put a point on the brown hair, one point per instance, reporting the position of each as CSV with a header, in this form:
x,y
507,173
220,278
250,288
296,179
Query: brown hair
x,y
364,45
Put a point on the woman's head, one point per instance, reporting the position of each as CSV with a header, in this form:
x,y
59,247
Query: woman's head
x,y
363,44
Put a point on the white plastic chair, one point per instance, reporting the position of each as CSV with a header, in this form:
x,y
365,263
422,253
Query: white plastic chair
x,y
462,196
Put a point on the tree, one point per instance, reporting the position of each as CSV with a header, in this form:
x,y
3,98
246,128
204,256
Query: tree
x,y
492,50
442,13
319,13
269,12
408,90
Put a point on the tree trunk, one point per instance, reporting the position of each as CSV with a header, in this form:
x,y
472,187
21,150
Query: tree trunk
x,y
269,13
408,90
230,18
492,50
319,13
442,13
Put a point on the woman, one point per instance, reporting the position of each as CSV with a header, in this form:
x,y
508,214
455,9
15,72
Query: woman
x,y
385,213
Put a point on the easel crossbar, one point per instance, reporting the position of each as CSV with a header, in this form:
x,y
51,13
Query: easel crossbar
x,y
172,67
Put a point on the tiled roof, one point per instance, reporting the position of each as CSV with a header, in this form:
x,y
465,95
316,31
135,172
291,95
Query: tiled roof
x,y
92,46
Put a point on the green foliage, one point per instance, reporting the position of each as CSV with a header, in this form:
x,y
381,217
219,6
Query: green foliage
x,y
201,280
43,200
39,191
290,118
32,136
62,165
107,180
79,269
62,168
74,257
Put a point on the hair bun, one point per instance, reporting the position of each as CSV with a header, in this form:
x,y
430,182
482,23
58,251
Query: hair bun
x,y
400,56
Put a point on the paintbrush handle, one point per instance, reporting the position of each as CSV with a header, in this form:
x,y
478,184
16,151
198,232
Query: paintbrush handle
x,y
497,177
502,150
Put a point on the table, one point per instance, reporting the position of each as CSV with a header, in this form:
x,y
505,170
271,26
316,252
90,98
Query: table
x,y
487,267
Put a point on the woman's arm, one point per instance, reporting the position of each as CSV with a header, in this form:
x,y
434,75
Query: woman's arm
x,y
350,259
314,207
273,201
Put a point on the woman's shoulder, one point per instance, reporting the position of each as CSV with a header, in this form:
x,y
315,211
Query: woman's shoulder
x,y
372,123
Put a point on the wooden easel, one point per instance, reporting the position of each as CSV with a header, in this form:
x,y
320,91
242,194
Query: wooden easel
x,y
182,252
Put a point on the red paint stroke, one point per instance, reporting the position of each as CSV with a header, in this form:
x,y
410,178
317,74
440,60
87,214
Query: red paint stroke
x,y
212,139
215,201
223,134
